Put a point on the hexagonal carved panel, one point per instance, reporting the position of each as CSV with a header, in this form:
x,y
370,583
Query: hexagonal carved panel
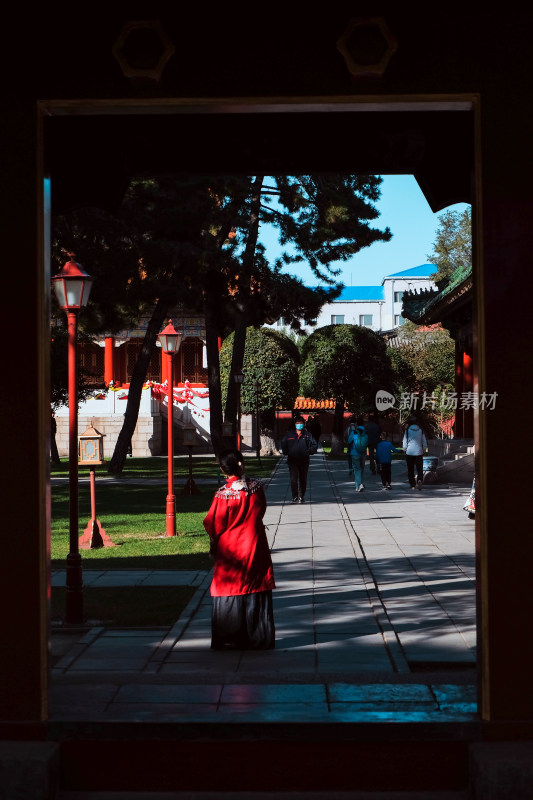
x,y
143,49
367,45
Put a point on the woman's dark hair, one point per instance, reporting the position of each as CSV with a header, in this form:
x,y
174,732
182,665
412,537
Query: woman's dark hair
x,y
231,462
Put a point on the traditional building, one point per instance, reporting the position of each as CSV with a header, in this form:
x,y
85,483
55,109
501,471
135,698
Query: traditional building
x,y
108,365
452,307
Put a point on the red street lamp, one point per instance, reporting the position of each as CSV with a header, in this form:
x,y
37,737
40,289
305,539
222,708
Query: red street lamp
x,y
72,286
170,340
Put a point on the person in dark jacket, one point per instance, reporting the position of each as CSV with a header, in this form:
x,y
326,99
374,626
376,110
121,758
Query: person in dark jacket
x,y
314,427
54,453
298,445
373,430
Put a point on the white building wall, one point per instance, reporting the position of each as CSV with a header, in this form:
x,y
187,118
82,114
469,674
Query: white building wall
x,y
106,413
385,312
107,416
352,311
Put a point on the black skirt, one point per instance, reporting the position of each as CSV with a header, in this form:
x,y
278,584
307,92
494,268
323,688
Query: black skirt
x,y
243,622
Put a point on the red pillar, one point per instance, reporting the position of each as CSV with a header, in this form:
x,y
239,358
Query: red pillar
x,y
468,386
74,578
109,366
171,499
459,389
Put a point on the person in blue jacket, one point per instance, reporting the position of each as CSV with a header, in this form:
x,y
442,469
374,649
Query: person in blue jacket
x,y
357,446
298,445
384,451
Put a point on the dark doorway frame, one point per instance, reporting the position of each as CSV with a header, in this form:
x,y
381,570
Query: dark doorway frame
x,y
400,148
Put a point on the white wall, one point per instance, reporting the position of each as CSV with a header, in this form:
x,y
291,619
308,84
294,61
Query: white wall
x,y
384,311
107,415
352,311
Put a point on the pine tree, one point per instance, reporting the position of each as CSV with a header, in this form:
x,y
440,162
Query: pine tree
x,y
196,240
453,245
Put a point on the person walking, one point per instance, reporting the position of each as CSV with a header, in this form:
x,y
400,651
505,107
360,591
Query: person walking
x,y
54,453
352,425
384,451
373,429
298,445
314,427
357,444
414,444
243,576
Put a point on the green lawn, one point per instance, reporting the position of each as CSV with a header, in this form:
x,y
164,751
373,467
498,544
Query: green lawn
x,y
203,466
134,516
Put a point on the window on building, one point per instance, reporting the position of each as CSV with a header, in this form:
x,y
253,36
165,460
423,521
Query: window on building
x,y
398,296
365,319
398,320
337,319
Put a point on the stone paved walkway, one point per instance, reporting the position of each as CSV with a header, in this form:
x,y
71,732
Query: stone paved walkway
x,y
374,611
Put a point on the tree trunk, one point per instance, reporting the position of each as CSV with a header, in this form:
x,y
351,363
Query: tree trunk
x,y
237,359
239,339
213,381
337,434
268,445
116,465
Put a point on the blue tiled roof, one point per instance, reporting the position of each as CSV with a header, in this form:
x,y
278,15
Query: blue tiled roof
x,y
423,271
361,293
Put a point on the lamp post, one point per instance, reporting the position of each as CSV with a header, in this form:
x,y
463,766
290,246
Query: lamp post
x,y
238,377
91,454
72,286
170,340
257,387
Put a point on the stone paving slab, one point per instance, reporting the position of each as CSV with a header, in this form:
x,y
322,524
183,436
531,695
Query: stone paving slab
x,y
139,577
278,795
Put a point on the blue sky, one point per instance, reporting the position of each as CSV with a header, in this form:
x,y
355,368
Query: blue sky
x,y
404,209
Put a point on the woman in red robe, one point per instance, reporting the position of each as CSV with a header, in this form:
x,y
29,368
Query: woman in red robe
x,y
243,576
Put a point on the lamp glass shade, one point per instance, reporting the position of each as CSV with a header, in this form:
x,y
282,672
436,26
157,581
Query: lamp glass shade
x,y
238,377
170,339
72,286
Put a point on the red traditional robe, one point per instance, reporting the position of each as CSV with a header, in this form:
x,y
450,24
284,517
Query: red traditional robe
x,y
234,522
